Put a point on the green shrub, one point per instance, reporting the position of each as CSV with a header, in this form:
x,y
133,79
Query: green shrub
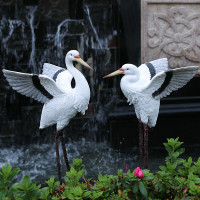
x,y
177,179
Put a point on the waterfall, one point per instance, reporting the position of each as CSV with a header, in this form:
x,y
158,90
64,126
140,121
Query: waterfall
x,y
30,18
60,35
92,26
10,27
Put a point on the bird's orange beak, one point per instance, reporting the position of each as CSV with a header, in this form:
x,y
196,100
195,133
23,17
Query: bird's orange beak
x,y
79,60
117,72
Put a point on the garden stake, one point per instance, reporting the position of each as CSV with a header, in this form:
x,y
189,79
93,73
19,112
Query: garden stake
x,y
146,145
140,143
64,151
57,155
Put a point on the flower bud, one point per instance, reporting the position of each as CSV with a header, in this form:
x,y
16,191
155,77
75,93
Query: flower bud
x,y
138,172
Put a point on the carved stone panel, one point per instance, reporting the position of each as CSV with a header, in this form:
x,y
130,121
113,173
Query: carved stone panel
x,y
171,28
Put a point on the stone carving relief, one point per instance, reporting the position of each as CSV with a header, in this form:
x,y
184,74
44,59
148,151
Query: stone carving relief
x,y
176,35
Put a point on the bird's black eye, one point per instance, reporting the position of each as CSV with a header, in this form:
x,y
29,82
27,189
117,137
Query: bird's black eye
x,y
127,68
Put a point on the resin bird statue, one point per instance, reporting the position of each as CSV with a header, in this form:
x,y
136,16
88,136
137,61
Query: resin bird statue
x,y
144,86
53,88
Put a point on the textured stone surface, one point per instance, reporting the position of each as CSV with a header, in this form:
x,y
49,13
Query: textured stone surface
x,y
170,28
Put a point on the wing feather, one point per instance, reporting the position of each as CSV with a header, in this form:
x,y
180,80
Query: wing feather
x,y
39,87
50,69
150,69
165,82
160,65
62,76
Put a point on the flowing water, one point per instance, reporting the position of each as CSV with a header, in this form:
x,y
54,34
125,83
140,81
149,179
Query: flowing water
x,y
39,160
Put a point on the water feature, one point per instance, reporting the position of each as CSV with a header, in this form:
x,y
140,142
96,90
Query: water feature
x,y
30,19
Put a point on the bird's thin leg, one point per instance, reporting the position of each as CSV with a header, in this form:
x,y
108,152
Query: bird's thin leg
x,y
140,143
146,145
64,151
57,155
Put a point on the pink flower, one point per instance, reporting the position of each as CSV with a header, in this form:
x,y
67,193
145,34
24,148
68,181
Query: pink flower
x,y
138,172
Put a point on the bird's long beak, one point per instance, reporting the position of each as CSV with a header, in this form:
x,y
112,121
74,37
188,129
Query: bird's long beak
x,y
117,72
79,60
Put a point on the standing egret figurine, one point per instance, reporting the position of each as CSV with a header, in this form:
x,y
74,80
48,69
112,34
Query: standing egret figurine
x,y
53,88
144,86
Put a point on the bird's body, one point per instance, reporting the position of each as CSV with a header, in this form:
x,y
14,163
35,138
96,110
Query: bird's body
x,y
53,88
132,90
145,85
68,104
63,112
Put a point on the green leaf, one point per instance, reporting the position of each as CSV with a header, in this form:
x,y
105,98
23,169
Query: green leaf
x,y
71,196
174,165
12,190
135,188
86,194
77,191
2,186
96,195
175,154
142,189
189,161
55,198
44,193
181,151
2,194
56,184
1,177
12,174
167,147
163,168
6,169
26,181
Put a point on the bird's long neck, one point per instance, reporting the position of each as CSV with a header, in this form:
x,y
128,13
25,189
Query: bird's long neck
x,y
82,87
132,78
129,82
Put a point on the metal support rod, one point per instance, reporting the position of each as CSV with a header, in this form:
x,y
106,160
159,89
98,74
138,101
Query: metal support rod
x,y
140,143
64,151
146,146
57,155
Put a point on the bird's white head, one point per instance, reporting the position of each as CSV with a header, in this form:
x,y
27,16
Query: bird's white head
x,y
127,69
74,55
71,55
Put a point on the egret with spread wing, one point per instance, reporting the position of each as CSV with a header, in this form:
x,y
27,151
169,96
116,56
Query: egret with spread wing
x,y
53,88
145,85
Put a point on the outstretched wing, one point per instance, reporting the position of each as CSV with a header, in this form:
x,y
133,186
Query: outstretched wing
x,y
165,82
150,69
62,76
39,87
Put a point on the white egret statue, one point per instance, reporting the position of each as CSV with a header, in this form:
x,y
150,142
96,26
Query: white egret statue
x,y
145,85
53,88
